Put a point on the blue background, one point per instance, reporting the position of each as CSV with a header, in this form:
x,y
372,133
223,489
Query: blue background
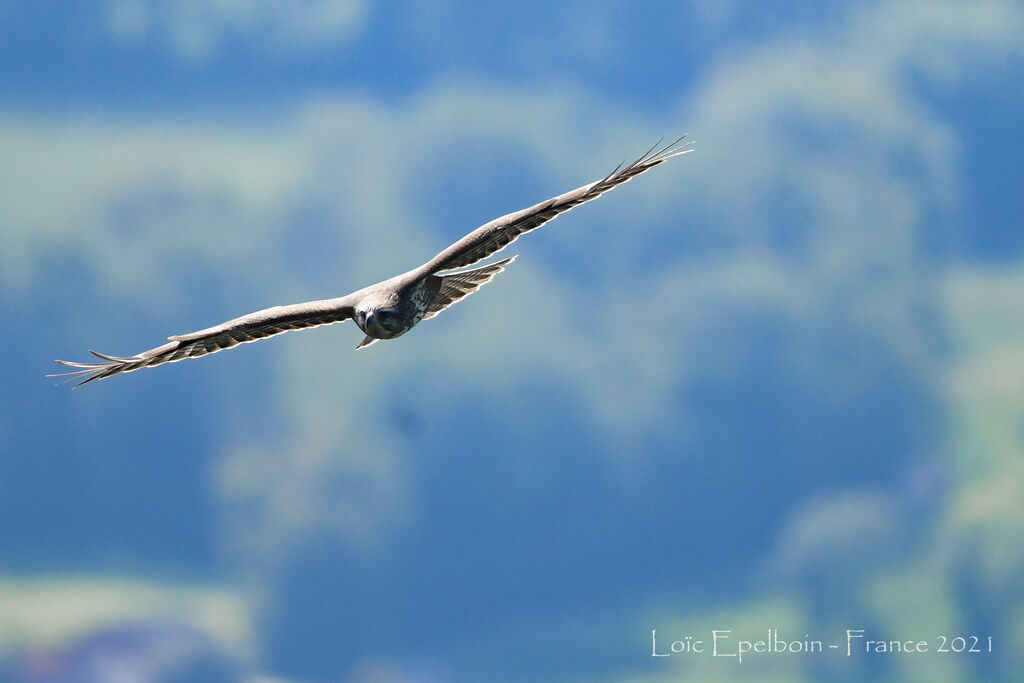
x,y
773,384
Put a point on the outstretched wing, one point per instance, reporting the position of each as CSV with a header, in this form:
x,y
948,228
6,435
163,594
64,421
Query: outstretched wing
x,y
455,286
497,234
248,328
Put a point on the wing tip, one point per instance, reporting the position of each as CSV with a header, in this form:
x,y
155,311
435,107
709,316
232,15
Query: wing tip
x,y
86,373
109,358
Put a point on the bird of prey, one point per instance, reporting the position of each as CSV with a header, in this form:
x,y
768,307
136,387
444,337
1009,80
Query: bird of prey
x,y
390,308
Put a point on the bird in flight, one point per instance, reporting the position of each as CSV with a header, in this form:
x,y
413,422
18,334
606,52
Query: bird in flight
x,y
387,309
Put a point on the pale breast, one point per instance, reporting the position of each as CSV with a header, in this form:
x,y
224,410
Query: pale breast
x,y
420,297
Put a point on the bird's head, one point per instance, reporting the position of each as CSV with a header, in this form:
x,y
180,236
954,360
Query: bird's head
x,y
380,317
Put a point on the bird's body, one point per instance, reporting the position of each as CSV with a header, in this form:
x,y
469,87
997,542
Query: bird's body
x,y
390,308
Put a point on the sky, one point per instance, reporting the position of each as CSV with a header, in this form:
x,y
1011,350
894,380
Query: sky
x,y
772,384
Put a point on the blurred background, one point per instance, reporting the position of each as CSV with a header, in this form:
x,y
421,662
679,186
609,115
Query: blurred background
x,y
777,383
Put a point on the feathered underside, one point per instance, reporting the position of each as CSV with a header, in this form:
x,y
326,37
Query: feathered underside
x,y
248,328
458,285
501,232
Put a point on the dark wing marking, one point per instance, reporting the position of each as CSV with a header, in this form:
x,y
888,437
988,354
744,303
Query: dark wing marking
x,y
500,232
455,286
242,330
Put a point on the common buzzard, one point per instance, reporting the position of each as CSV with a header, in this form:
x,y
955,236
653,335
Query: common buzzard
x,y
390,308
